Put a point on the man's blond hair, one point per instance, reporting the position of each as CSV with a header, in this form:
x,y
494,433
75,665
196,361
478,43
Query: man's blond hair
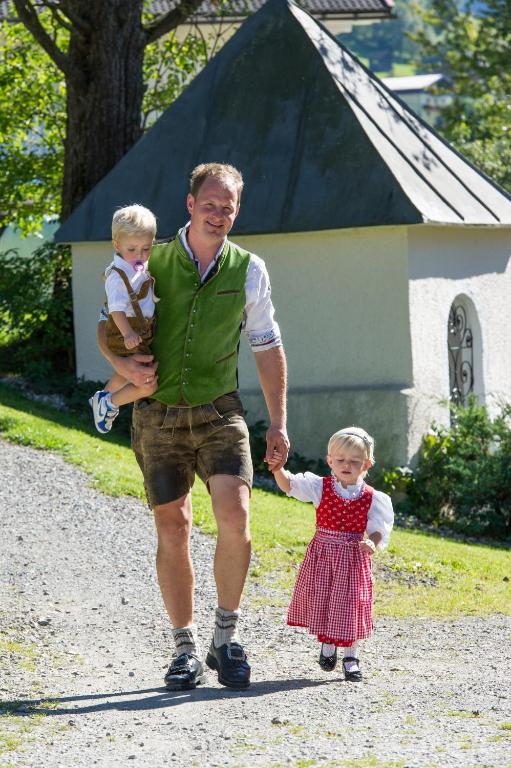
x,y
133,220
225,174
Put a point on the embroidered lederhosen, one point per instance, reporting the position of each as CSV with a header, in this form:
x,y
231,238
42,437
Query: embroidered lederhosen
x,y
144,326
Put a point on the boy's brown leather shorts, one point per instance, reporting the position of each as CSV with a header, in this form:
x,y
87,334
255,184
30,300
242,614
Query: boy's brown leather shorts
x,y
174,443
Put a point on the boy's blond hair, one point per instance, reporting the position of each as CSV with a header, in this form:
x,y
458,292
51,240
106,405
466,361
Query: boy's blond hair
x,y
133,220
352,437
226,174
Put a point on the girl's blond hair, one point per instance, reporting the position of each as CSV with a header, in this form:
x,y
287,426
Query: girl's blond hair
x,y
352,437
133,220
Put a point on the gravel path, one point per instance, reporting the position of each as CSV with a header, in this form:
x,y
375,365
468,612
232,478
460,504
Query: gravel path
x,y
78,593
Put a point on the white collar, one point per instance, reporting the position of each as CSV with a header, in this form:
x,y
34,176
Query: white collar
x,y
183,236
351,492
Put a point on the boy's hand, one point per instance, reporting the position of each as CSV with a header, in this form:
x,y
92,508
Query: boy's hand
x,y
275,461
132,340
367,546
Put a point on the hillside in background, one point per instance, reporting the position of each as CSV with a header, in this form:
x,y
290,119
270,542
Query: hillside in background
x,y
386,46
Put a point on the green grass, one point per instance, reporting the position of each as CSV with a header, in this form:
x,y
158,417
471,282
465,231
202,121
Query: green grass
x,y
423,574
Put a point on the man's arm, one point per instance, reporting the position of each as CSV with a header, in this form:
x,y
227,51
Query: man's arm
x,y
272,371
139,369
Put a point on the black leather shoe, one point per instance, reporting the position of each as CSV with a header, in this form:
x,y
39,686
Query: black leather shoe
x,y
230,661
185,672
328,663
351,677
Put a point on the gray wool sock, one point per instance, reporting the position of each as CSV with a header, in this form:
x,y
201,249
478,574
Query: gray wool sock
x,y
186,640
226,627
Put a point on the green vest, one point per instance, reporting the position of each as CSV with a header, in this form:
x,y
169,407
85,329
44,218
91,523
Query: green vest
x,y
197,326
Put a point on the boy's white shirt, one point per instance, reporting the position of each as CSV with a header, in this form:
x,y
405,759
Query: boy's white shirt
x,y
380,517
116,295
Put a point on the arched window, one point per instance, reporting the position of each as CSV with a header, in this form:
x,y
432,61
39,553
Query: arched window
x,y
464,350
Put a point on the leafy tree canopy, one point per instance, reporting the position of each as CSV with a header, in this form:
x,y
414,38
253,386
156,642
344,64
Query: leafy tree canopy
x,y
34,104
472,40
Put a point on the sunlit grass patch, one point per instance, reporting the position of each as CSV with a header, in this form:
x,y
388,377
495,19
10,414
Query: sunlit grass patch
x,y
418,575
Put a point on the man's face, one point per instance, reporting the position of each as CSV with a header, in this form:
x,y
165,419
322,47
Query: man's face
x,y
213,209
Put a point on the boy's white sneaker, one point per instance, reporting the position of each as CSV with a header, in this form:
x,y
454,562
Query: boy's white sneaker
x,y
104,411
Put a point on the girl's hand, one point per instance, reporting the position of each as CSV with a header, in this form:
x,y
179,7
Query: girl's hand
x,y
275,461
367,546
132,340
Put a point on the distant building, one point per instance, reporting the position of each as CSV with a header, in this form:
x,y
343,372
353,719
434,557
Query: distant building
x,y
389,253
422,93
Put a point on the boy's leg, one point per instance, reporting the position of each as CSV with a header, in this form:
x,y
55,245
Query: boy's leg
x,y
115,382
129,393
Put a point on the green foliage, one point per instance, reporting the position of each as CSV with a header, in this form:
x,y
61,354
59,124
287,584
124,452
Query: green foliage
x,y
32,121
33,111
463,475
473,44
35,307
387,45
169,65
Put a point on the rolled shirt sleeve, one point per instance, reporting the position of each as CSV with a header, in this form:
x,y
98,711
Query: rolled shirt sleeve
x,y
259,324
380,517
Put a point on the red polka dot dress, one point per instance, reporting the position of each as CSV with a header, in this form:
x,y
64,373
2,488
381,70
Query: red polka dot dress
x,y
333,594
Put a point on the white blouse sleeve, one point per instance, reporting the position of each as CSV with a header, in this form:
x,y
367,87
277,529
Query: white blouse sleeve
x,y
380,517
306,487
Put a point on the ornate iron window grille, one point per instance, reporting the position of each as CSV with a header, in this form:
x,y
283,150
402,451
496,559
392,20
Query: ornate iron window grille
x,y
461,357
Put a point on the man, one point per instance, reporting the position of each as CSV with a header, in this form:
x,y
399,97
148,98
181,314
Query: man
x,y
209,289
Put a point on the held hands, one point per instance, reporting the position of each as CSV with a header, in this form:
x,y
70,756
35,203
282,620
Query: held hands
x,y
277,444
132,340
275,462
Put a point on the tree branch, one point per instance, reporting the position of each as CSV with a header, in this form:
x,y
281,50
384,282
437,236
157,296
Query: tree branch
x,y
28,17
79,24
170,20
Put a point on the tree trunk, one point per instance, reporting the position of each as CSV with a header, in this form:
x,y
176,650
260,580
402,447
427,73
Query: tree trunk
x,y
104,93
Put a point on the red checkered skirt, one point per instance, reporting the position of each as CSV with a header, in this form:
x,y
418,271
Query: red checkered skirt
x,y
333,594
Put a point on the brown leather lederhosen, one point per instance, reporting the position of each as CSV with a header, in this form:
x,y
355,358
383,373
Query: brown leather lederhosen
x,y
144,326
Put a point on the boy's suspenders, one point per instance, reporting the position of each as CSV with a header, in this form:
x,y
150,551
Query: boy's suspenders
x,y
134,297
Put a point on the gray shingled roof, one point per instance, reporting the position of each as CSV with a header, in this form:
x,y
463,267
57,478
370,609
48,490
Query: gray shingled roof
x,y
321,142
319,8
242,8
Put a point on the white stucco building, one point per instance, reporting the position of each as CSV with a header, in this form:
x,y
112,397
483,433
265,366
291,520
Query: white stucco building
x,y
389,254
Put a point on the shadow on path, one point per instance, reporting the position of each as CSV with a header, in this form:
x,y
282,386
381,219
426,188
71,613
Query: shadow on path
x,y
140,702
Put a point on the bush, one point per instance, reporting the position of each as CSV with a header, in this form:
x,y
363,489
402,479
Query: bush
x,y
463,476
36,312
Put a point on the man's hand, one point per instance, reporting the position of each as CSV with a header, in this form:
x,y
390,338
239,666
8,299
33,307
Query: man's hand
x,y
139,369
277,443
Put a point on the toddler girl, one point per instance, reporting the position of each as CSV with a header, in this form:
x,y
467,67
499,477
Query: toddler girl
x,y
333,591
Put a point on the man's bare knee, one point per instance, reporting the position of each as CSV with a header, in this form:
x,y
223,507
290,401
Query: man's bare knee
x,y
174,522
